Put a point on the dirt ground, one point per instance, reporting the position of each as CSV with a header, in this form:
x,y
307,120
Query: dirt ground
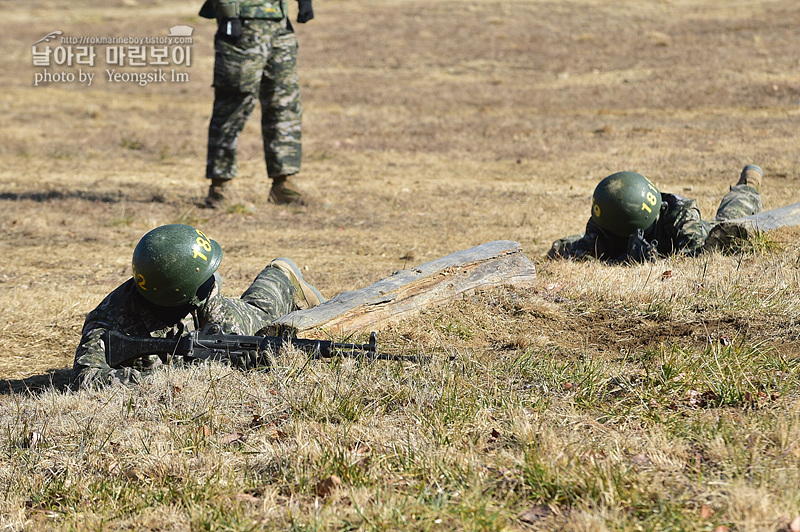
x,y
429,127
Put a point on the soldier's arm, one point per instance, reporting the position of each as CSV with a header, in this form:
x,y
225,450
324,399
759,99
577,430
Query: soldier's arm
x,y
689,231
90,368
593,243
571,247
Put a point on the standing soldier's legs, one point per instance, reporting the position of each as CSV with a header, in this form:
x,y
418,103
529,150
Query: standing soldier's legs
x,y
281,109
281,118
238,68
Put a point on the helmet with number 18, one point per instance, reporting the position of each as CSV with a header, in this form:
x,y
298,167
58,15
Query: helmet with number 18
x,y
171,262
625,202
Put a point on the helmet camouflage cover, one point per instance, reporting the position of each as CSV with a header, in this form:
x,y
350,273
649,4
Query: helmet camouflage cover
x,y
172,261
625,202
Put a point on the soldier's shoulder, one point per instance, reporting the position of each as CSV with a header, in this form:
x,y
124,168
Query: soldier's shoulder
x,y
674,198
115,303
676,202
124,291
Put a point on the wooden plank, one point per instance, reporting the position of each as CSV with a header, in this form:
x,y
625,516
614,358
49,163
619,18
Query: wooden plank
x,y
406,292
788,216
726,233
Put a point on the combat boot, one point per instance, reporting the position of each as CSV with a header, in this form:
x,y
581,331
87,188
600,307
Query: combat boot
x,y
751,175
285,192
217,194
305,295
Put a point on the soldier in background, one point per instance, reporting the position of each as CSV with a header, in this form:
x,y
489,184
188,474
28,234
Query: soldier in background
x,y
175,290
255,60
631,221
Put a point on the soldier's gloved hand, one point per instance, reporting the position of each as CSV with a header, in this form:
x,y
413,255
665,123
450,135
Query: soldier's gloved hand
x,y
230,28
246,360
305,12
125,376
640,250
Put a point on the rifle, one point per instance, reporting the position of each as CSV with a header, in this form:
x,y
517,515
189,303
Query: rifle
x,y
249,351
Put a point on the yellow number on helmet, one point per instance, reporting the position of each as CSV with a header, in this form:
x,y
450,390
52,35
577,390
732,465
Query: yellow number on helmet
x,y
205,244
138,278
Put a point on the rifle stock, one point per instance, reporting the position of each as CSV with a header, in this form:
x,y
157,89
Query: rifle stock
x,y
122,349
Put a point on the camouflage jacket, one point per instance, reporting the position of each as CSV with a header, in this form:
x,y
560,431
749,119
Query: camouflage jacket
x,y
678,229
125,310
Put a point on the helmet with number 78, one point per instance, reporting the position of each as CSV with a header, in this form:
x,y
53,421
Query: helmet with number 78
x,y
625,202
171,262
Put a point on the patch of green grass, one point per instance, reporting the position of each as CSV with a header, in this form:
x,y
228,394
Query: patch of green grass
x,y
131,143
124,220
60,154
761,243
240,208
190,218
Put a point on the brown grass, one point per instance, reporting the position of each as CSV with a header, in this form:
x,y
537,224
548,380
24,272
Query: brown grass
x,y
614,397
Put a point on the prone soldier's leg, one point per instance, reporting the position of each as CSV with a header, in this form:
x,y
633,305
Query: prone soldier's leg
x,y
269,297
742,200
276,291
238,68
281,108
271,292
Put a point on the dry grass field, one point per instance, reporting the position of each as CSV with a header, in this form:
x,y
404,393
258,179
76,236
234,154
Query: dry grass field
x,y
603,398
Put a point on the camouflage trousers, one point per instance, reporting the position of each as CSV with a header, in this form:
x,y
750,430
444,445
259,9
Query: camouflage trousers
x,y
740,201
270,296
259,66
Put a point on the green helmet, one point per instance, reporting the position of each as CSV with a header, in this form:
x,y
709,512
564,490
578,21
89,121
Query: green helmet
x,y
625,202
172,261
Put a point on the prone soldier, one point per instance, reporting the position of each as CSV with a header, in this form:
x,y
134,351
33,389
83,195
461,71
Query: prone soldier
x,y
175,290
632,221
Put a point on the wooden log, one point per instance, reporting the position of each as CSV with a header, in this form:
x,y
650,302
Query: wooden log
x,y
788,216
406,292
726,233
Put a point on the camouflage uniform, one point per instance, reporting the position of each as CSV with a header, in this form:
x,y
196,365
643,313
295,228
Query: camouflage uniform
x,y
679,229
260,65
270,296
